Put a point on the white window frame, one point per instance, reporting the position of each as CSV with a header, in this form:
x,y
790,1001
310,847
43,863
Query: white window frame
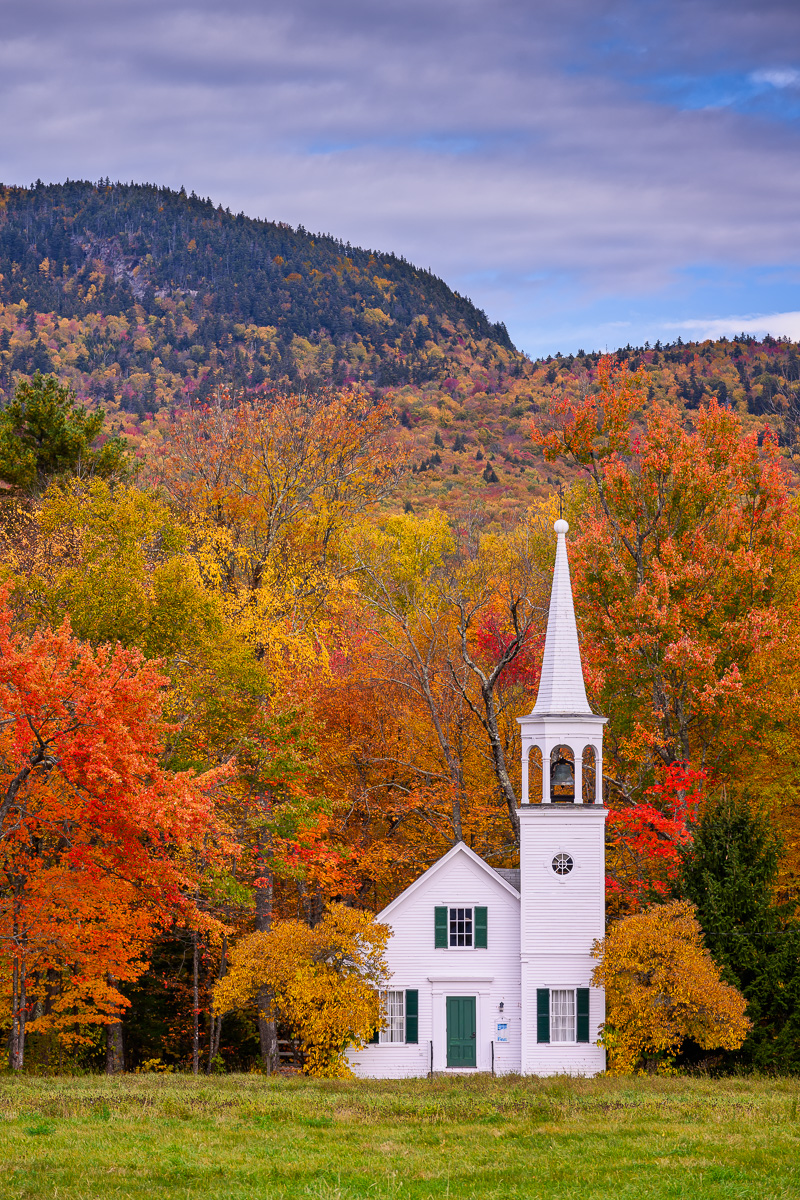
x,y
393,1005
464,908
563,1016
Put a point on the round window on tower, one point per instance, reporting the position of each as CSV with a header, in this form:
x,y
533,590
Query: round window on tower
x,y
562,864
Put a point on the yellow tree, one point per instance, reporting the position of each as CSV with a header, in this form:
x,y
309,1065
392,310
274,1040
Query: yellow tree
x,y
662,988
323,982
117,560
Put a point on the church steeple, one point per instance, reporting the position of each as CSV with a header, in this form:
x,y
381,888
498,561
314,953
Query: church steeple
x,y
561,686
562,739
561,853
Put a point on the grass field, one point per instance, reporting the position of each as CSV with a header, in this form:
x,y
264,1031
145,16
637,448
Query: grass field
x,y
246,1136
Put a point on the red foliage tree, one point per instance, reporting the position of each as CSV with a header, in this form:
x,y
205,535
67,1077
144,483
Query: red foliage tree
x,y
98,844
645,840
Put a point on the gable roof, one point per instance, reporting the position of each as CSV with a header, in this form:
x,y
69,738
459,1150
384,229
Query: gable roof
x,y
459,848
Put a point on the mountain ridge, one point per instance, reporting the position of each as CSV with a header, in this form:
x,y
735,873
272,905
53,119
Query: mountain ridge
x,y
144,299
164,242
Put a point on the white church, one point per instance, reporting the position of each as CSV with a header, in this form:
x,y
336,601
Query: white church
x,y
491,968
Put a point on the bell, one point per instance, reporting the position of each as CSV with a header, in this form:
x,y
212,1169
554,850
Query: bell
x,y
562,776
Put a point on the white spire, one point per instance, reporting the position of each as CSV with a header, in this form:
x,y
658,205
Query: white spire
x,y
561,687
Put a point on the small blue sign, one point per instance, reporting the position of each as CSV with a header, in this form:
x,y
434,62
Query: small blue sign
x,y
502,1031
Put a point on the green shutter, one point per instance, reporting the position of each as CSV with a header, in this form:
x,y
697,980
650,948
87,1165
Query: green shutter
x,y
582,1013
412,1015
543,1014
481,928
440,928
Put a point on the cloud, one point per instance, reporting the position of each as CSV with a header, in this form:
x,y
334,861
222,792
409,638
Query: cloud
x,y
782,324
778,77
518,150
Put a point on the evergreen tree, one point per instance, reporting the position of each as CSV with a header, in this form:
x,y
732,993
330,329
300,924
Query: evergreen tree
x,y
729,872
43,433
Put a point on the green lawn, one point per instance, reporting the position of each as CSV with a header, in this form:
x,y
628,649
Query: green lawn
x,y
245,1136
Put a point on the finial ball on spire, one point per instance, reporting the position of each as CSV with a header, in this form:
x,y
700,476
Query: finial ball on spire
x,y
561,526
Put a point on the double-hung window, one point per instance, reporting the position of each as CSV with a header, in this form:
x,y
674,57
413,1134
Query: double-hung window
x,y
401,1011
562,1015
461,927
394,1005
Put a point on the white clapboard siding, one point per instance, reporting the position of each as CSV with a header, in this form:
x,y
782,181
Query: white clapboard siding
x,y
561,912
492,975
561,917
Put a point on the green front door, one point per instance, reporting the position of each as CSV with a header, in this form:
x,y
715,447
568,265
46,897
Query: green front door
x,y
461,1031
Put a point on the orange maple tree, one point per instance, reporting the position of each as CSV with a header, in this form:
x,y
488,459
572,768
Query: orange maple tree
x,y
281,475
682,559
97,842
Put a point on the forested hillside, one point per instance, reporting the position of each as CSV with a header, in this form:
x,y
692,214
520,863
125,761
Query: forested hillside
x,y
219,296
147,300
471,436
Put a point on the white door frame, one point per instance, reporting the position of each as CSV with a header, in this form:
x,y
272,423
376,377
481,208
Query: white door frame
x,y
478,986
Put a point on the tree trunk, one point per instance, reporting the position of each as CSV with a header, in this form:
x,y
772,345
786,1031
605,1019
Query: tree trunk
x,y
195,1004
267,1031
115,1052
18,1004
16,1042
215,1031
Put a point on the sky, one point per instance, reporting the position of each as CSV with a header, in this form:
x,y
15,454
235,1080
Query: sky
x,y
591,172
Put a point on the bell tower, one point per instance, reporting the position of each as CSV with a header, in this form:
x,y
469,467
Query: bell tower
x,y
562,852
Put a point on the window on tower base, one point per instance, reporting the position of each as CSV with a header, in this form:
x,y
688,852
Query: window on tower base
x,y
562,1015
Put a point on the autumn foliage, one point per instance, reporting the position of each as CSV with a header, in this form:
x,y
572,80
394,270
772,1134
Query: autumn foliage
x,y
681,567
95,837
323,983
645,841
662,988
278,699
